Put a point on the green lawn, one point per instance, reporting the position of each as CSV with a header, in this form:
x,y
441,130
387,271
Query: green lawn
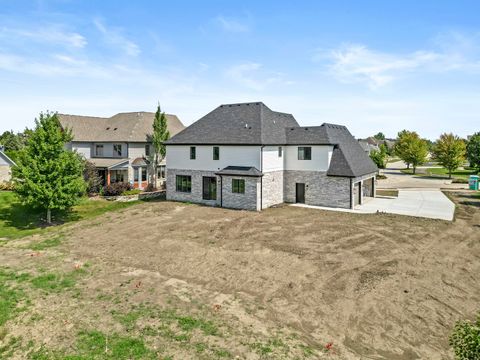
x,y
17,220
464,174
441,173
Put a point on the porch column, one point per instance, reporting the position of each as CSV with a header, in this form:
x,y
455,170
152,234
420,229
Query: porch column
x,y
140,177
108,177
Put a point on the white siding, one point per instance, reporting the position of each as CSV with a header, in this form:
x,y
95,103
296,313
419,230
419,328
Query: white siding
x,y
178,157
84,149
136,150
108,150
321,156
271,161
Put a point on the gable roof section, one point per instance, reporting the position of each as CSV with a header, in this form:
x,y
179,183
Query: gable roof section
x,y
246,124
348,158
124,127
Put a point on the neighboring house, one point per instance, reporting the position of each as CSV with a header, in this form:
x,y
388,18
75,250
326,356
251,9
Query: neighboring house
x,y
246,156
5,166
119,146
367,147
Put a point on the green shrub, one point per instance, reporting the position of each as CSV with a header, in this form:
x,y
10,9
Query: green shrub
x,y
116,189
132,192
465,340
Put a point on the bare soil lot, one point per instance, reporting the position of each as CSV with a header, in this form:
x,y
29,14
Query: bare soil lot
x,y
168,280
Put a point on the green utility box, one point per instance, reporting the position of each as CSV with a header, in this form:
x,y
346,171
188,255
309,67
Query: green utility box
x,y
473,181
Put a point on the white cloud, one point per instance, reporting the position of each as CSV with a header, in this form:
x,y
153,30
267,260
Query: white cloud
x,y
250,75
357,63
114,37
232,25
49,34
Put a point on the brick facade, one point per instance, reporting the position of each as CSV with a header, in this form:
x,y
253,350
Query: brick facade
x,y
273,188
250,200
320,189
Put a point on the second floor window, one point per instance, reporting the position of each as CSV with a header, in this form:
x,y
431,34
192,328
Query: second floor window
x,y
98,150
117,150
216,153
193,152
304,153
147,150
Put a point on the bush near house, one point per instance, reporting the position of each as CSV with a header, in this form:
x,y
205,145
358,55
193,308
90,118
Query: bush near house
x,y
116,189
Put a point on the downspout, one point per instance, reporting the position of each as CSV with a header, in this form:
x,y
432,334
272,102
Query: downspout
x,y
221,191
351,194
261,177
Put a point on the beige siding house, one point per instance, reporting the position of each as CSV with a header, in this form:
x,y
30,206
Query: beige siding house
x,y
119,145
5,167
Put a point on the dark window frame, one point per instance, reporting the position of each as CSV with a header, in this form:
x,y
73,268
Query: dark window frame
x,y
147,149
116,148
209,188
304,153
216,153
193,152
280,151
97,147
183,183
238,186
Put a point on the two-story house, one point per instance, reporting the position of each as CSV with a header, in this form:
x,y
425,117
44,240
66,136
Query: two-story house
x,y
5,166
119,146
246,156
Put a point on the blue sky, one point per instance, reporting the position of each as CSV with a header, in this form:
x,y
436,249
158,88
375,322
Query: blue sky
x,y
371,65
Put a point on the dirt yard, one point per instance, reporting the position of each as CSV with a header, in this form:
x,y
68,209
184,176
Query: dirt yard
x,y
179,281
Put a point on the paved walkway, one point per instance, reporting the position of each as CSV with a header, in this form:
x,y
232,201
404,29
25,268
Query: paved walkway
x,y
398,180
427,203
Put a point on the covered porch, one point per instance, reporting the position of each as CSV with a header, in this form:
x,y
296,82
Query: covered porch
x,y
111,170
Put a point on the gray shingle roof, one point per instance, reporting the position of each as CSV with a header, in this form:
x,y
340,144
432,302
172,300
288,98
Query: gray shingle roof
x,y
348,158
124,127
240,171
256,124
246,124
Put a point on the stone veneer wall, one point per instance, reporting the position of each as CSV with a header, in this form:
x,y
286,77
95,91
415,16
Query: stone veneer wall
x,y
320,189
250,200
5,173
197,186
272,188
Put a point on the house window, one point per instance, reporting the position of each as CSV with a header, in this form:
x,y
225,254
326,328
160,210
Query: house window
x,y
161,172
304,153
99,150
144,174
216,153
184,183
280,150
117,150
238,186
209,188
135,174
147,150
193,152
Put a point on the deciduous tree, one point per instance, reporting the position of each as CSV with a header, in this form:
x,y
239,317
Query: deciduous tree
x,y
159,136
473,151
47,175
449,151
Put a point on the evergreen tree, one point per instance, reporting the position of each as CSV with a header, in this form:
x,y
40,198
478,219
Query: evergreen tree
x,y
449,151
47,175
159,136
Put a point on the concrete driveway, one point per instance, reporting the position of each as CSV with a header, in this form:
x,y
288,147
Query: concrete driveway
x,y
429,203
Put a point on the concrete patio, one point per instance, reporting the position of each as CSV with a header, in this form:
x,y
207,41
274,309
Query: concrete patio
x,y
427,203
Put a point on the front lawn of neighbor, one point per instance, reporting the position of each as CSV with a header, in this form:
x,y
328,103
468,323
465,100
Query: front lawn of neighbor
x,y
17,220
441,173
